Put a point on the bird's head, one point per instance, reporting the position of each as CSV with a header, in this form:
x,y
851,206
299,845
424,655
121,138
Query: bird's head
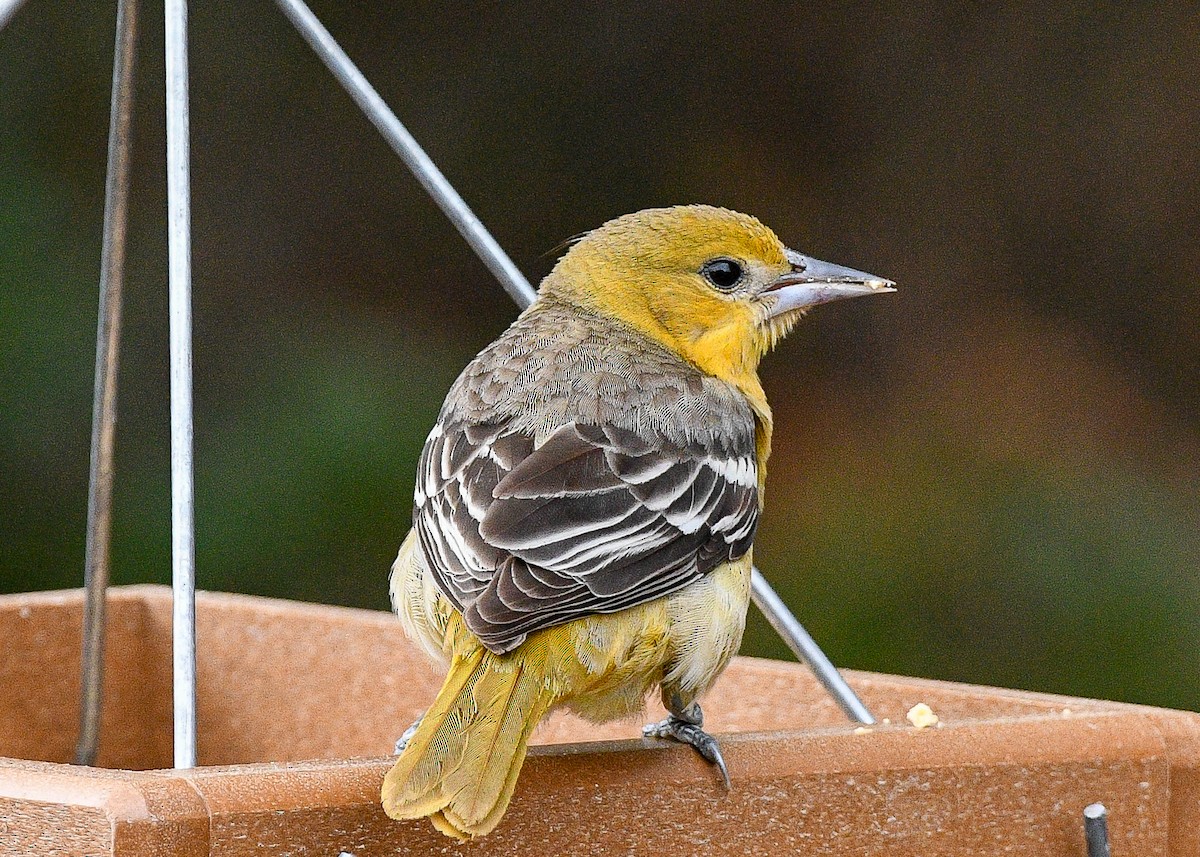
x,y
715,286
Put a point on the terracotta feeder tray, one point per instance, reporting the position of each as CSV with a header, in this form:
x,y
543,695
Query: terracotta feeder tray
x,y
299,704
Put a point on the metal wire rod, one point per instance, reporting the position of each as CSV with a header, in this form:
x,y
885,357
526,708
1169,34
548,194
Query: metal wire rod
x,y
179,245
1095,830
104,399
8,8
514,282
805,647
406,146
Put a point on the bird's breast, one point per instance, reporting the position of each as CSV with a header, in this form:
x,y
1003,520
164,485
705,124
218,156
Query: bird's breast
x,y
706,621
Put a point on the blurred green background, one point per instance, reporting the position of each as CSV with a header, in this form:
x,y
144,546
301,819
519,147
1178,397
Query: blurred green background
x,y
991,476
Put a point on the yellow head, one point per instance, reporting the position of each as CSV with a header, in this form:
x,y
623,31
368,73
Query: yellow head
x,y
717,287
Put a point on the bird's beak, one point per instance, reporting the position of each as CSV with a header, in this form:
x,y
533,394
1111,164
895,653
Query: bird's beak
x,y
812,282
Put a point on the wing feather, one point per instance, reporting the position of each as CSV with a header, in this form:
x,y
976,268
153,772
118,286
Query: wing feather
x,y
594,520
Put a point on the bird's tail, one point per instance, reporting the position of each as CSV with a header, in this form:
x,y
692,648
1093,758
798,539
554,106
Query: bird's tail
x,y
461,765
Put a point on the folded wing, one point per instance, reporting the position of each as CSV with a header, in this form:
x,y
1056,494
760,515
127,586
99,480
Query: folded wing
x,y
595,520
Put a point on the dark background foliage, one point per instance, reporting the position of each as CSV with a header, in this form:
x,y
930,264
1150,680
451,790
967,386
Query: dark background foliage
x,y
991,476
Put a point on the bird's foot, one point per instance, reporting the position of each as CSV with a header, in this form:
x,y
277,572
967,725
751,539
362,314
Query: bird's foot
x,y
681,730
403,740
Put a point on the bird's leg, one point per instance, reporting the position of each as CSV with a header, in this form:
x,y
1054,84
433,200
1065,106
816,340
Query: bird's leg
x,y
683,724
403,740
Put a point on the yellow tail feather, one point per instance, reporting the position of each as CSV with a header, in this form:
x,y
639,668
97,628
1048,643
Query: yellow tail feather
x,y
461,766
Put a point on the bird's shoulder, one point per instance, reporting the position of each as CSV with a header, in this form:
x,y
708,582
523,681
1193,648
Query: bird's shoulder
x,y
558,364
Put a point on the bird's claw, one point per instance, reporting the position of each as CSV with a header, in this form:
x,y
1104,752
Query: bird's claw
x,y
690,733
403,740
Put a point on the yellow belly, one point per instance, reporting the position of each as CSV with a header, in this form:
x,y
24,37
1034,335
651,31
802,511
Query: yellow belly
x,y
604,665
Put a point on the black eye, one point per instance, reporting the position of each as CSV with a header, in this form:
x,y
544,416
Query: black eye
x,y
722,273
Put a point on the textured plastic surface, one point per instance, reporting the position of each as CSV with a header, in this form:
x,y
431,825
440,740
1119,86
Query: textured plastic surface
x,y
299,705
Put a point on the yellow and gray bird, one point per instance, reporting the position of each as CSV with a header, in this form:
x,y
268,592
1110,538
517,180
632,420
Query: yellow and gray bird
x,y
586,503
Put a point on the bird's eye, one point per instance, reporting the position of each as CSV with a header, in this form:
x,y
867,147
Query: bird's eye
x,y
722,273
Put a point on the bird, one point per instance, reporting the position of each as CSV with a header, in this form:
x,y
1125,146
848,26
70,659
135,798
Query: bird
x,y
587,500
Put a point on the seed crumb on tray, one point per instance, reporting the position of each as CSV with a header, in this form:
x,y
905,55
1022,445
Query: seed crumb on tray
x,y
922,716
